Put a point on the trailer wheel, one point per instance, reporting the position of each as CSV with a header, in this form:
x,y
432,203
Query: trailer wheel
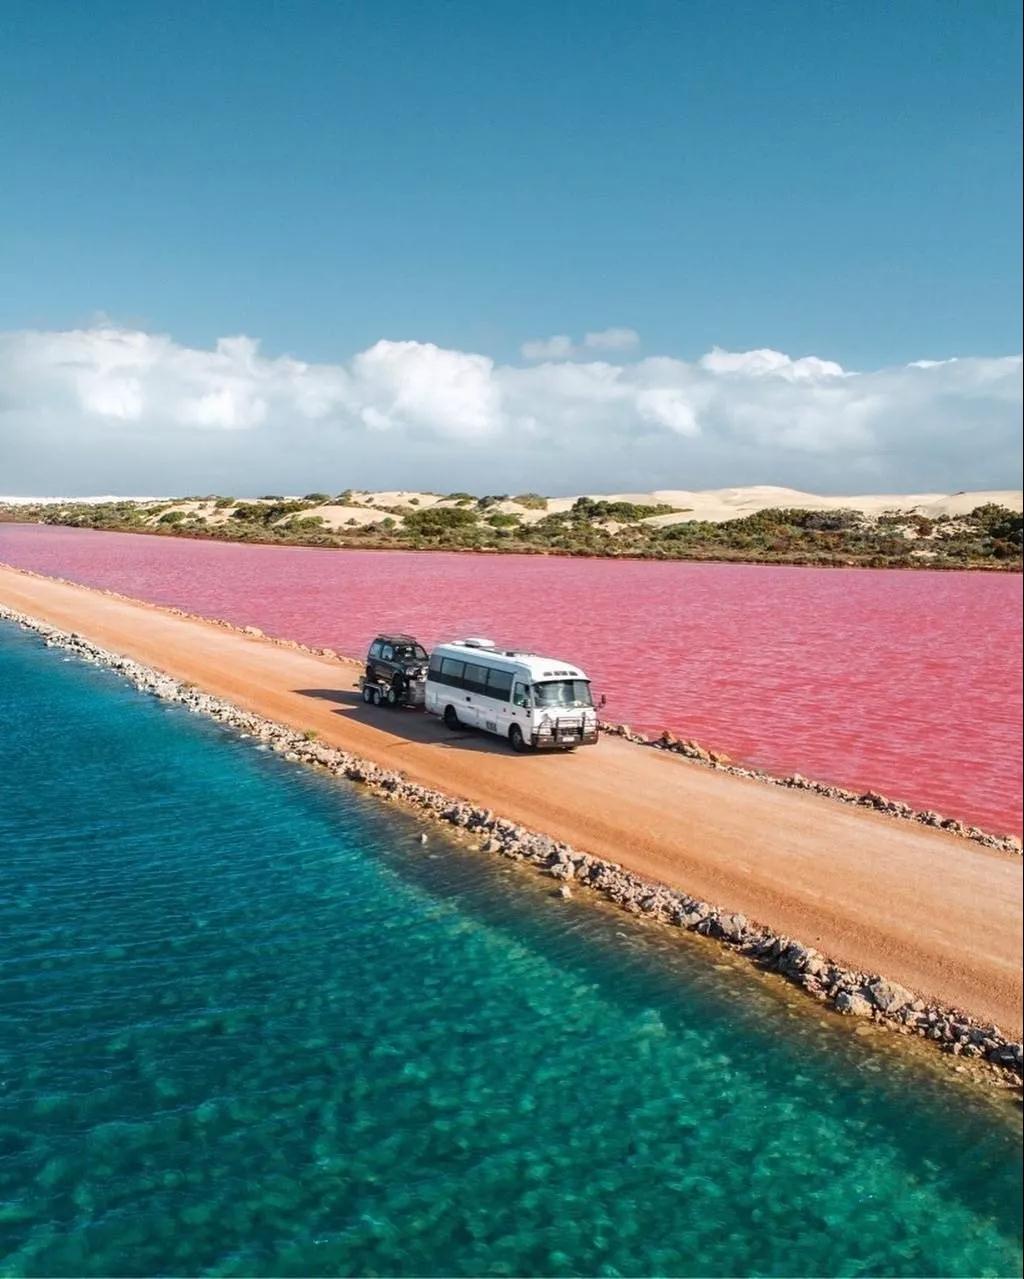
x,y
451,718
368,694
392,695
516,739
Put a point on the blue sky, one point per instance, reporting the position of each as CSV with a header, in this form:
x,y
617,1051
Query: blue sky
x,y
830,178
836,180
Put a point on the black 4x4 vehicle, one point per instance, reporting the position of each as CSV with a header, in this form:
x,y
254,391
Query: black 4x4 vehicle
x,y
396,667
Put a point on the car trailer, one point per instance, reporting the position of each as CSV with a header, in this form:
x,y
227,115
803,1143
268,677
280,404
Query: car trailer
x,y
378,692
395,672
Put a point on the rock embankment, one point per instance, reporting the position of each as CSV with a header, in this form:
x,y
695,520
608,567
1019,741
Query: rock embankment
x,y
692,750
849,992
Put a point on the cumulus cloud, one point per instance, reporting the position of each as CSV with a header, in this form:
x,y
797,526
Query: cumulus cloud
x,y
763,362
103,409
612,340
421,387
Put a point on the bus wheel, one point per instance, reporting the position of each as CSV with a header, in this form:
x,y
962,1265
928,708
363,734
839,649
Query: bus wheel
x,y
516,738
451,718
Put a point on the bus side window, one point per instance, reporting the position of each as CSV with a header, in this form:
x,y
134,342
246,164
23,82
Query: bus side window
x,y
453,672
521,695
499,684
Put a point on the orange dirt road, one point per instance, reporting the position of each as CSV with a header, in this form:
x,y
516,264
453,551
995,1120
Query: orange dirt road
x,y
937,913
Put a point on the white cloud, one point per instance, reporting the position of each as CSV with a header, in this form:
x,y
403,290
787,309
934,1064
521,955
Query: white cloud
x,y
559,347
612,340
102,408
562,347
421,387
764,362
668,407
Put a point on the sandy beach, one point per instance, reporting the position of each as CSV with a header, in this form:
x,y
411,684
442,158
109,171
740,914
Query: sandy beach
x,y
924,908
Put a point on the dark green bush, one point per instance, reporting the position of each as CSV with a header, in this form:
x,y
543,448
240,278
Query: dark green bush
x,y
999,522
596,509
436,520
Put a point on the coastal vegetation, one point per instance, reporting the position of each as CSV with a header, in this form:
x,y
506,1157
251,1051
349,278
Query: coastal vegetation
x,y
989,536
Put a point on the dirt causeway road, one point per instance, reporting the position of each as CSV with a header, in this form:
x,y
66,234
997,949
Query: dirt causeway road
x,y
939,914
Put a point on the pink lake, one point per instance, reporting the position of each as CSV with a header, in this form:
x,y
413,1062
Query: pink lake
x,y
904,682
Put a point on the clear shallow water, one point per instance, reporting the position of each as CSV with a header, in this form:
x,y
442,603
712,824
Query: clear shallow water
x,y
248,1025
905,682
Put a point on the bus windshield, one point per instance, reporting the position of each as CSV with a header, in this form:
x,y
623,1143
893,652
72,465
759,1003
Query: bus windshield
x,y
561,693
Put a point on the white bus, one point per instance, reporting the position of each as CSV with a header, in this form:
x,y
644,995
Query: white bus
x,y
531,701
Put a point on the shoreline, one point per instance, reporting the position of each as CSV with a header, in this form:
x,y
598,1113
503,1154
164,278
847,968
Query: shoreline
x,y
664,741
844,990
192,535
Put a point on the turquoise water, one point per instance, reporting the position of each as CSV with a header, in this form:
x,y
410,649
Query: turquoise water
x,y
249,1025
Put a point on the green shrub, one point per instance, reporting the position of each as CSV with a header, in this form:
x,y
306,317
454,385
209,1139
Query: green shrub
x,y
999,522
595,509
436,520
258,513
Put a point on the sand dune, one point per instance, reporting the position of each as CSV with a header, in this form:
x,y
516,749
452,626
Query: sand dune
x,y
717,505
336,516
712,505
